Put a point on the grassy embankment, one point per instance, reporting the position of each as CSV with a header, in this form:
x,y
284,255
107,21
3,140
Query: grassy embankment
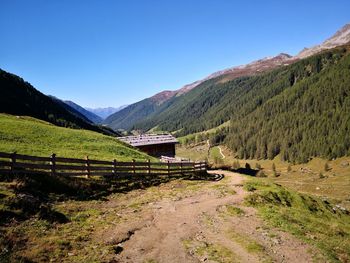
x,y
290,206
31,136
34,207
318,177
312,219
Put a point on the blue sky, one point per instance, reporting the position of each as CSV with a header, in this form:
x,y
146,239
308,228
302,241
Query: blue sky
x,y
110,53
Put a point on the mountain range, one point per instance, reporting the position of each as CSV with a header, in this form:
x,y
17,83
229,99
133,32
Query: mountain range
x,y
103,113
134,115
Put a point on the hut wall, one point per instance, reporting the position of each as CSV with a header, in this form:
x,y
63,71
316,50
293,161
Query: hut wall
x,y
157,150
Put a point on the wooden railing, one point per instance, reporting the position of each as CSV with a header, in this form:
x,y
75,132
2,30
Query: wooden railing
x,y
58,166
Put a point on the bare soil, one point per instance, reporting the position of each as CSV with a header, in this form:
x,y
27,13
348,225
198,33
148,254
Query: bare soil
x,y
206,224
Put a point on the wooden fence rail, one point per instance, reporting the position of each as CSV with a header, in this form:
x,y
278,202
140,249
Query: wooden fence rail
x,y
59,166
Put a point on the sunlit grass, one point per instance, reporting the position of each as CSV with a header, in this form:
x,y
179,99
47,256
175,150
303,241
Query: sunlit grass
x,y
30,136
310,218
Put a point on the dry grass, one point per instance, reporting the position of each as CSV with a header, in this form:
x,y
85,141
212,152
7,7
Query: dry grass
x,y
308,178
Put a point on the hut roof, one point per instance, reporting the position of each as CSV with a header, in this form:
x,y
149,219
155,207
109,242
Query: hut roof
x,y
149,139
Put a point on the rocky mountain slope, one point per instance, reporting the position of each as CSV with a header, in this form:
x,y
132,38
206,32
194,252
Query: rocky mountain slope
x,y
341,37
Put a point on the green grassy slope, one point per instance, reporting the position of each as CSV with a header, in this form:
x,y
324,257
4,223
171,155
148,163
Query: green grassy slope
x,y
312,219
31,136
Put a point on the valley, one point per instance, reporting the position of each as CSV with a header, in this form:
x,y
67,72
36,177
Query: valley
x,y
273,138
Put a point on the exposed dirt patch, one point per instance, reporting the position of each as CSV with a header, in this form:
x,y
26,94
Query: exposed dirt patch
x,y
207,224
182,220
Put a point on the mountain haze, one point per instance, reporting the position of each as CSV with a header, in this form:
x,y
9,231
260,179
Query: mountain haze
x,y
105,112
88,114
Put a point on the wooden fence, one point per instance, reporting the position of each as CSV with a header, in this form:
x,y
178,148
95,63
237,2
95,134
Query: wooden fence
x,y
58,166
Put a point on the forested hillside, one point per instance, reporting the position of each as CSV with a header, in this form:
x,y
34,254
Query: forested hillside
x,y
149,109
125,118
20,98
311,117
298,111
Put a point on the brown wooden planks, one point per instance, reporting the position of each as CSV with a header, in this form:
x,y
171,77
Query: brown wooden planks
x,y
79,167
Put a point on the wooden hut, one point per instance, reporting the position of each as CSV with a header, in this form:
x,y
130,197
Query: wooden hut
x,y
156,145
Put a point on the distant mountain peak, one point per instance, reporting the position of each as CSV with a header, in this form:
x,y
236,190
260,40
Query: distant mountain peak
x,y
341,37
163,96
284,55
105,112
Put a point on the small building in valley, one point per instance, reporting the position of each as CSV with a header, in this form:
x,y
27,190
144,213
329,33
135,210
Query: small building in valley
x,y
156,145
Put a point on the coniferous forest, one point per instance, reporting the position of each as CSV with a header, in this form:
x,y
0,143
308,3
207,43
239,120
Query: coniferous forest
x,y
298,111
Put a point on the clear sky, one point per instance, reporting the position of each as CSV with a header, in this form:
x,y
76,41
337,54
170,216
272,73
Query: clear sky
x,y
109,53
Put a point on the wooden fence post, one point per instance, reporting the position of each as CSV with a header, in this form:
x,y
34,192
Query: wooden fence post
x,y
181,167
13,161
87,164
133,166
53,164
194,166
168,168
149,166
114,167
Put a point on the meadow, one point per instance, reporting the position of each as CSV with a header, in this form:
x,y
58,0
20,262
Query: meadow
x,y
27,135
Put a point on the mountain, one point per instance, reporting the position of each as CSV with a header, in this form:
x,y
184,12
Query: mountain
x,y
125,118
70,109
209,104
137,112
89,115
148,113
303,113
341,37
18,97
299,111
105,112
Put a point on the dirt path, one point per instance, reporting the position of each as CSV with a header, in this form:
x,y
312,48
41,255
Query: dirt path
x,y
208,224
223,156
